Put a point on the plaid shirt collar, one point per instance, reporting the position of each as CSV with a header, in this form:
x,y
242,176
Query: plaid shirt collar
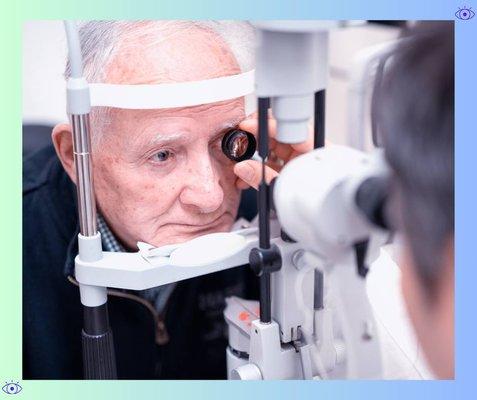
x,y
110,243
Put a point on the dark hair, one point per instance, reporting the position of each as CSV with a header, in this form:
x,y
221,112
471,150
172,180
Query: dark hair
x,y
414,111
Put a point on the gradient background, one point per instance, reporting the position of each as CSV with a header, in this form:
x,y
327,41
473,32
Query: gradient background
x,y
12,15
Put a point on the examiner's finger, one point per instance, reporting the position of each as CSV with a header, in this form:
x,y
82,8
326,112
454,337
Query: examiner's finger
x,y
251,125
307,146
250,171
242,185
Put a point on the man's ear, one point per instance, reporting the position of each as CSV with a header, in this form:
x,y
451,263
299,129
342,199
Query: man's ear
x,y
63,141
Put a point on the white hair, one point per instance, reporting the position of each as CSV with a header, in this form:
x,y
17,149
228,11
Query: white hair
x,y
100,40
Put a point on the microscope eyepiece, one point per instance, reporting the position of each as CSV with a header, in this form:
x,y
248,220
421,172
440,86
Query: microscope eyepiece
x,y
239,145
371,198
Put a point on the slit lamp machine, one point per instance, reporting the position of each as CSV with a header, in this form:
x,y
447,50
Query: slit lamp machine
x,y
321,222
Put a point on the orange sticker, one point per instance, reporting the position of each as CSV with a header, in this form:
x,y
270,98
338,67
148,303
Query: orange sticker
x,y
244,315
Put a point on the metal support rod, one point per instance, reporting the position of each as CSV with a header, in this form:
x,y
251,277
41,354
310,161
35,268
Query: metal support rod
x,y
318,295
319,122
99,361
263,189
264,209
319,141
265,298
84,174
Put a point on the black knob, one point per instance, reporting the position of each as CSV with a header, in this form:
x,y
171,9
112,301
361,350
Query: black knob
x,y
265,260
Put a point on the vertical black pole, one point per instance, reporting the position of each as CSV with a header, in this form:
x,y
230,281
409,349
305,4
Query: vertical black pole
x,y
264,209
319,141
263,192
319,125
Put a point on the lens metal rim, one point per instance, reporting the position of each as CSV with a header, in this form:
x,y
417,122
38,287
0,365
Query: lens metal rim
x,y
229,137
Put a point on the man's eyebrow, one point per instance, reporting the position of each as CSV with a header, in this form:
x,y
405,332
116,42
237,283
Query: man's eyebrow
x,y
231,123
163,138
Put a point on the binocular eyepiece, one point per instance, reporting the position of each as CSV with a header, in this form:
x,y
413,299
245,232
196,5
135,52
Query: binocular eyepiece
x,y
239,145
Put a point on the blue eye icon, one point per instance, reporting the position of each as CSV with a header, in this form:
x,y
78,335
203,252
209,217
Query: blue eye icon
x,y
12,388
465,13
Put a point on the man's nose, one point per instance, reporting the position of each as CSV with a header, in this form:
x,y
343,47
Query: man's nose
x,y
202,190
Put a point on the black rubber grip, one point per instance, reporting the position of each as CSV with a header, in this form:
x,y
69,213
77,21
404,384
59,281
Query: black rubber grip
x,y
99,361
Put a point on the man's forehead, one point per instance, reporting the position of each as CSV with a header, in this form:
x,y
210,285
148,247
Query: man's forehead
x,y
140,126
223,110
154,56
170,125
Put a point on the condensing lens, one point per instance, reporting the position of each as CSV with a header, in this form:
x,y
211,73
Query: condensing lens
x,y
238,145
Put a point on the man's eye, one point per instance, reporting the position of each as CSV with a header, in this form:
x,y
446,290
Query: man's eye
x,y
162,156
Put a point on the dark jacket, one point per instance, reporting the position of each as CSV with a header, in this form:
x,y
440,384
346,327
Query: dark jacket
x,y
187,342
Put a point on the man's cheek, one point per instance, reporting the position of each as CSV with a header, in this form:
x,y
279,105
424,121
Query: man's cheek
x,y
126,192
153,194
226,173
228,180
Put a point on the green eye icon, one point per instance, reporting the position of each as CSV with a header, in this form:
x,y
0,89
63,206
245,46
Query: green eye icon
x,y
12,388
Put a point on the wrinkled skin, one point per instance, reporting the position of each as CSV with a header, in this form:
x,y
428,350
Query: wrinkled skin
x,y
160,176
161,190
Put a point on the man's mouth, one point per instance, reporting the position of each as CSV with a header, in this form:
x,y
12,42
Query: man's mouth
x,y
201,226
179,232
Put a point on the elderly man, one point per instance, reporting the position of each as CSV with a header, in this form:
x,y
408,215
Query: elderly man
x,y
160,177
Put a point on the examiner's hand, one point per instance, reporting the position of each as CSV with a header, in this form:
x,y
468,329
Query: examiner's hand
x,y
249,172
